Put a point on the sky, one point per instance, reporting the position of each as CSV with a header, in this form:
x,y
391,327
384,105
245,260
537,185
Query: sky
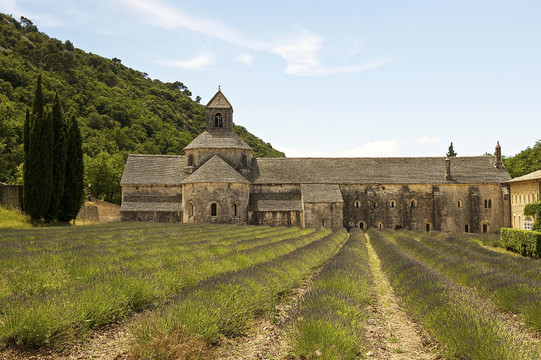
x,y
332,78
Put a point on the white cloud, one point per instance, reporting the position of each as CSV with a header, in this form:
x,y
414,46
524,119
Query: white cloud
x,y
378,148
246,59
197,62
300,50
427,140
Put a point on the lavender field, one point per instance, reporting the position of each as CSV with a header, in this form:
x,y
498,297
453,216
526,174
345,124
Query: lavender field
x,y
198,291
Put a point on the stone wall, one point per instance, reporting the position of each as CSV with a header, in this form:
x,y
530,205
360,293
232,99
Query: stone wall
x,y
327,215
99,211
11,196
522,193
448,207
199,198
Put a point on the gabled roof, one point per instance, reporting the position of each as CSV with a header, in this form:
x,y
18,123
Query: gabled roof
x,y
321,193
153,170
536,175
275,202
217,140
216,170
413,170
151,206
219,101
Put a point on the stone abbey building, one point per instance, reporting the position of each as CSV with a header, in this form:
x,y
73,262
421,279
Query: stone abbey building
x,y
220,181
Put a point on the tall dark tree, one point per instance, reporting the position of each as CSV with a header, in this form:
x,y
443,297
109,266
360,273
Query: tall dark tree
x,y
59,159
451,152
39,164
73,188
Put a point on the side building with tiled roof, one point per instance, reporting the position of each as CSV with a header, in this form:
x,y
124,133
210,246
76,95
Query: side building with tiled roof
x,y
219,181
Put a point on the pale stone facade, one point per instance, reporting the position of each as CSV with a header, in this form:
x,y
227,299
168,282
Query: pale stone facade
x,y
524,190
219,181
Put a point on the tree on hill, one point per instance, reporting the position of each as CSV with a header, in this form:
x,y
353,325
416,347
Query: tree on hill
x,y
525,162
119,110
451,152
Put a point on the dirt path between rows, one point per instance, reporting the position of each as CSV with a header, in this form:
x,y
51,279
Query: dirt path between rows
x,y
390,332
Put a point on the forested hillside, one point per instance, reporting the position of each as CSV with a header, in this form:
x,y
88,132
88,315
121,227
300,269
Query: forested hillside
x,y
120,110
525,162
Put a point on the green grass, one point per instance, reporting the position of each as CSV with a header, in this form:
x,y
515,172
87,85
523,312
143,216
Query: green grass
x,y
468,327
56,284
329,320
13,219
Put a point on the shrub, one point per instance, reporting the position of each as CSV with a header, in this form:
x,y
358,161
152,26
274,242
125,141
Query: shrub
x,y
524,242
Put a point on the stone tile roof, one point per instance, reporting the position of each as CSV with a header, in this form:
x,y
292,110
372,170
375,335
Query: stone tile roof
x,y
219,101
317,193
216,170
151,206
153,170
536,175
217,140
412,170
275,202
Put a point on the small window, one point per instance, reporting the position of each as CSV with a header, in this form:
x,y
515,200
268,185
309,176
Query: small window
x,y
459,204
380,225
485,228
413,203
392,203
490,203
323,223
375,204
466,228
357,204
213,209
427,227
190,160
244,160
236,209
218,120
361,225
191,209
528,222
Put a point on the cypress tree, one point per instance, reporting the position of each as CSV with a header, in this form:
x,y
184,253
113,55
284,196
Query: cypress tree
x,y
73,188
26,139
59,159
39,162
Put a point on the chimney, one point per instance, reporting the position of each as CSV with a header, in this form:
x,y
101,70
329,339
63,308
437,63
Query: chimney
x,y
498,156
447,168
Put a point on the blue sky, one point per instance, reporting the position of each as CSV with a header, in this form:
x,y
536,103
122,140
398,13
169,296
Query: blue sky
x,y
333,78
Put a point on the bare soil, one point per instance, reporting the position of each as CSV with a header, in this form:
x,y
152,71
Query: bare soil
x,y
391,333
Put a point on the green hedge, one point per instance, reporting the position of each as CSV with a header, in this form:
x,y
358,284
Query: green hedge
x,y
525,242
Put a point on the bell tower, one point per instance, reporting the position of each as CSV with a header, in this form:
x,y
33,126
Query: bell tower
x,y
219,114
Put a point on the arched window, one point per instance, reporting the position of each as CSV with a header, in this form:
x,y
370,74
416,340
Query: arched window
x,y
427,227
357,204
459,204
218,120
466,228
392,203
528,222
413,203
375,204
485,228
190,160
191,209
213,209
323,223
490,203
362,225
236,209
380,225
